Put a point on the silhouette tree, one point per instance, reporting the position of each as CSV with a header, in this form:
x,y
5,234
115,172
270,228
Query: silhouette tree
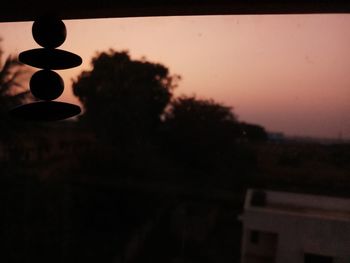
x,y
128,102
202,120
12,90
202,135
124,95
253,132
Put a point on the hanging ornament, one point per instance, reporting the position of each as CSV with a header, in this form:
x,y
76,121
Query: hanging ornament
x,y
46,78
45,84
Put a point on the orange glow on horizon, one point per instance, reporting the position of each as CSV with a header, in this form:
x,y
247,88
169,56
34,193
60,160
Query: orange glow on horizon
x,y
289,73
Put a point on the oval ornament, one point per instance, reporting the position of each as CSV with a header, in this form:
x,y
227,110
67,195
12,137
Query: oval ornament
x,y
47,58
45,111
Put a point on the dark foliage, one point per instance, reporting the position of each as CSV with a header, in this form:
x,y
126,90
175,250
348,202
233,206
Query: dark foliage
x,y
202,136
253,132
200,130
123,95
12,90
142,177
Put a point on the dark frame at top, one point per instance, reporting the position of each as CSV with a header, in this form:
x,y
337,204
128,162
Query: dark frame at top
x,y
19,10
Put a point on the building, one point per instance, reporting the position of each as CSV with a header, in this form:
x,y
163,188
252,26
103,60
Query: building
x,y
286,227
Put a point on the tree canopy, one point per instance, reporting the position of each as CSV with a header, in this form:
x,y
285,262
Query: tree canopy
x,y
12,90
124,93
131,103
201,122
201,133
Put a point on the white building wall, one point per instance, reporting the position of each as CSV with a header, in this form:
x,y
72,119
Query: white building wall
x,y
299,233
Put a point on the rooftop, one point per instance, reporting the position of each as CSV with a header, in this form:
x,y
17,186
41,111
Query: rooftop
x,y
295,204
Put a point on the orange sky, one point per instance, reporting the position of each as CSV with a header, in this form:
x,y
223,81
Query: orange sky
x,y
287,73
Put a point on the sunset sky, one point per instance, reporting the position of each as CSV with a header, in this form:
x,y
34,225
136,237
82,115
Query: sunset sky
x,y
290,74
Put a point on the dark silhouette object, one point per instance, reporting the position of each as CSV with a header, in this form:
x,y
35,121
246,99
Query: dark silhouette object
x,y
191,109
202,136
12,92
124,95
50,58
313,258
49,32
258,198
201,123
253,132
45,111
46,85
